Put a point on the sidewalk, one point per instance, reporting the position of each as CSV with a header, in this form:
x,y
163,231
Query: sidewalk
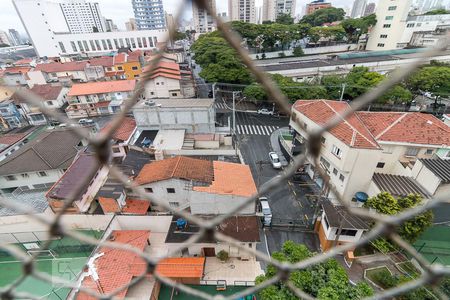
x,y
276,147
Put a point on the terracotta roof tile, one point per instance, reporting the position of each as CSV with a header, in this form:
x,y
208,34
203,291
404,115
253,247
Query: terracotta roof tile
x,y
351,131
230,179
47,91
177,167
181,267
136,207
102,87
12,138
114,266
109,205
23,61
407,127
17,70
120,58
104,61
62,67
125,130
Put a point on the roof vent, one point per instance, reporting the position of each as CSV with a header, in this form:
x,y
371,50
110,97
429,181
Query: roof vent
x,y
150,103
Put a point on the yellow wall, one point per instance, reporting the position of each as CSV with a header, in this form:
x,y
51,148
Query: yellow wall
x,y
128,68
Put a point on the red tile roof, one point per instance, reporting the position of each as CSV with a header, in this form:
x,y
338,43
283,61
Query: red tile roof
x,y
101,104
125,130
104,61
12,138
120,58
165,69
230,179
406,127
177,167
109,205
351,131
114,267
62,67
102,87
47,91
23,61
17,70
136,207
181,267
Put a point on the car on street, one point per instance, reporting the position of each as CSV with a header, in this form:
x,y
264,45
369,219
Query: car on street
x,y
275,160
85,121
266,211
265,111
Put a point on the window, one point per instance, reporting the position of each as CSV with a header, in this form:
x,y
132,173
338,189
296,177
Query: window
x,y
411,25
10,177
61,46
174,204
335,171
104,45
74,47
133,43
347,232
383,36
97,44
134,68
389,18
49,103
336,151
391,8
325,163
380,45
429,152
92,45
110,47
116,43
80,45
148,190
119,68
381,165
24,175
42,174
144,42
412,151
327,225
341,178
139,42
322,140
127,40
170,190
174,94
85,44
150,41
387,26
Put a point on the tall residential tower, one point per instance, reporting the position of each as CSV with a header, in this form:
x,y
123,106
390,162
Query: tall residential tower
x,y
203,22
359,7
272,9
83,16
149,14
242,10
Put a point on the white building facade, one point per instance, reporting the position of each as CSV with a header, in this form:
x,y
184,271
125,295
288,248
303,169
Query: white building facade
x,y
203,22
242,10
359,8
83,16
272,9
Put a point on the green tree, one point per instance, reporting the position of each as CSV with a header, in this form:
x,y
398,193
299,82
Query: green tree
x,y
355,27
219,62
285,19
298,51
331,33
440,11
396,95
359,80
325,15
333,85
411,229
326,280
433,79
180,35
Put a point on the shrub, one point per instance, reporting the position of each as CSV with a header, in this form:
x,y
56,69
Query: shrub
x,y
298,51
281,54
222,255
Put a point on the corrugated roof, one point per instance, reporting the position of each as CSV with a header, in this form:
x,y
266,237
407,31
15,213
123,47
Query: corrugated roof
x,y
102,87
398,186
350,131
47,91
181,267
77,178
54,149
338,214
177,167
439,167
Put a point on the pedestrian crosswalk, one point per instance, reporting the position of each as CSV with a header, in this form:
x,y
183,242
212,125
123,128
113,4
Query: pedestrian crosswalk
x,y
255,129
220,105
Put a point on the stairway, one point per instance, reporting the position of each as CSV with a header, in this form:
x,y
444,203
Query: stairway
x,y
188,144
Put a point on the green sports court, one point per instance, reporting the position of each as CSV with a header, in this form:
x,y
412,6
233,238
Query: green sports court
x,y
434,245
167,293
65,258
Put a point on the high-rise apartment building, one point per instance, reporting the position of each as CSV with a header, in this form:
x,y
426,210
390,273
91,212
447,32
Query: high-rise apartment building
x,y
149,14
370,9
203,21
272,9
4,39
316,5
110,26
359,7
82,16
242,10
170,21
131,25
392,17
15,37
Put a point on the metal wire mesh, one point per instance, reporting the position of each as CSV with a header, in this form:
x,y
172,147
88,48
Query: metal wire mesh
x,y
384,225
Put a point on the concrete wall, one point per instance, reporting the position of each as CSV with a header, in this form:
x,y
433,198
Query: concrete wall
x,y
330,233
196,249
33,178
162,87
181,195
206,203
425,178
310,51
14,79
36,77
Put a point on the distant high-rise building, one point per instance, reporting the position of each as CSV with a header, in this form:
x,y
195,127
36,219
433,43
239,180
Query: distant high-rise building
x,y
83,16
149,14
4,39
203,21
370,9
316,5
15,37
170,21
131,25
110,26
224,16
359,7
242,10
272,9
259,14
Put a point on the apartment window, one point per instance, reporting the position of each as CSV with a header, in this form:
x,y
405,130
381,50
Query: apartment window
x,y
134,68
335,171
380,45
42,174
104,45
412,151
380,165
336,151
347,232
429,152
148,190
325,163
74,47
127,40
174,94
92,45
327,225
341,178
144,42
97,44
121,43
150,42
110,47
410,25
387,26
170,190
139,42
174,204
49,103
322,140
10,177
61,46
116,43
383,36
119,68
389,18
80,46
25,175
391,8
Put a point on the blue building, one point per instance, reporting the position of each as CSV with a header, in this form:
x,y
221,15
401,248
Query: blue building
x,y
149,14
10,115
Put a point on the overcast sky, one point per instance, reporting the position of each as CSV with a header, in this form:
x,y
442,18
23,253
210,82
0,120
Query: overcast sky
x,y
120,10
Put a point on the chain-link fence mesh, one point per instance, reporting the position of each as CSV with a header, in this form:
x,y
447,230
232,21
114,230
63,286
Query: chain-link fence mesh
x,y
384,225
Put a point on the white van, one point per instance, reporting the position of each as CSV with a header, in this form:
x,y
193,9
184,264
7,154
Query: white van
x,y
266,212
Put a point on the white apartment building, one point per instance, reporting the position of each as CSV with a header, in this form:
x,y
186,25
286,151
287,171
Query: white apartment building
x,y
203,22
392,16
423,24
272,9
359,8
50,35
242,10
4,39
83,16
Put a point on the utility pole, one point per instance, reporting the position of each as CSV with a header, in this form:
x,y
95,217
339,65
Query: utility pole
x,y
214,92
234,113
343,91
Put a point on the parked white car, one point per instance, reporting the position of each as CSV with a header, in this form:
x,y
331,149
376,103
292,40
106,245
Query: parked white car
x,y
266,211
275,160
265,111
85,121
